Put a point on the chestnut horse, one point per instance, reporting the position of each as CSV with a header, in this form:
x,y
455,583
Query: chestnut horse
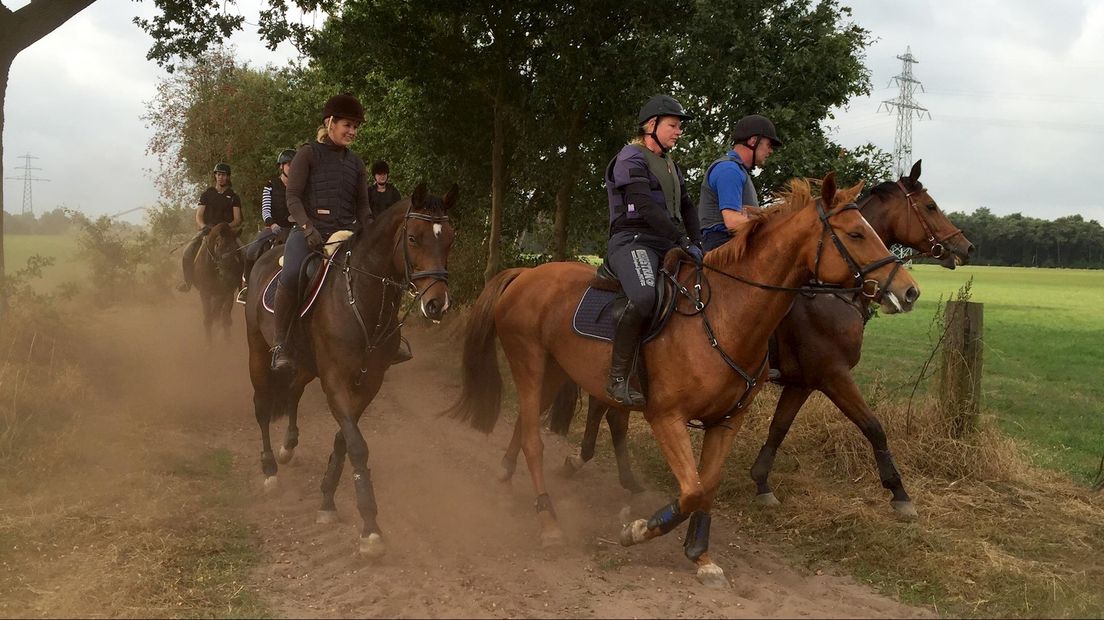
x,y
217,275
690,371
349,338
819,342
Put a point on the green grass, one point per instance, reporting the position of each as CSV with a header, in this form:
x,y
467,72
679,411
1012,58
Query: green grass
x,y
1043,352
67,265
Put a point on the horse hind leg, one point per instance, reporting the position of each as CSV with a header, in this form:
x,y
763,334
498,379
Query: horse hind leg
x,y
537,383
264,401
789,404
291,409
509,460
618,422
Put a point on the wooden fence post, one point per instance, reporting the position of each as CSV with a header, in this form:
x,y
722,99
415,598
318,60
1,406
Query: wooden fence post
x,y
960,379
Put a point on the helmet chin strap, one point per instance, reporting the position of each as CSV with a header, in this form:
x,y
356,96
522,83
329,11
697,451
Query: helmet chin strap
x,y
662,149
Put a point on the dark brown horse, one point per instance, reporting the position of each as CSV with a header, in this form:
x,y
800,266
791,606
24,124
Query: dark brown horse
x,y
819,342
349,338
217,275
691,370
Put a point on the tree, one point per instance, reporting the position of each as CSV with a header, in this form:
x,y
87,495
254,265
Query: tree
x,y
18,31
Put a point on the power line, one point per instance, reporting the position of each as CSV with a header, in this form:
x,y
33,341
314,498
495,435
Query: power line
x,y
28,179
905,106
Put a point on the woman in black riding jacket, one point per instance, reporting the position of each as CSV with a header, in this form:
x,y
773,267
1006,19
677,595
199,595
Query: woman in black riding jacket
x,y
650,213
327,191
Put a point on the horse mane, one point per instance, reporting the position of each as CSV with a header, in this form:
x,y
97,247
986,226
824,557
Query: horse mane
x,y
798,195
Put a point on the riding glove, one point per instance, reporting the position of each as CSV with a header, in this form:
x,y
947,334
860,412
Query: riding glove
x,y
314,239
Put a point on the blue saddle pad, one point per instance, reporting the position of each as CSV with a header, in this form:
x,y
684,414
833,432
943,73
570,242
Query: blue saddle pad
x,y
594,315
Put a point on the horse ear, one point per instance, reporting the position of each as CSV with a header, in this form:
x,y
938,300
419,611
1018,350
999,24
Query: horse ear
x,y
914,174
417,199
450,198
828,190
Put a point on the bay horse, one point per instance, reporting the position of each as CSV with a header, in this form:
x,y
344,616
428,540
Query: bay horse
x,y
690,370
217,275
349,338
818,343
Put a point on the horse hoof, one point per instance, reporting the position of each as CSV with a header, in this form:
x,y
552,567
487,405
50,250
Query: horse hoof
x,y
371,546
572,465
634,533
711,576
326,517
552,538
767,500
283,457
271,484
905,510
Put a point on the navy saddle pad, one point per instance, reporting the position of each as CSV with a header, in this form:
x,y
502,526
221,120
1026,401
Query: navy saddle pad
x,y
594,317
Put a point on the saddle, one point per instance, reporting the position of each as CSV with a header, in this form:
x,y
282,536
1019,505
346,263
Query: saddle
x,y
315,272
602,303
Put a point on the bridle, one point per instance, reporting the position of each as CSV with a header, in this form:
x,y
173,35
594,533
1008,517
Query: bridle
x,y
938,249
868,287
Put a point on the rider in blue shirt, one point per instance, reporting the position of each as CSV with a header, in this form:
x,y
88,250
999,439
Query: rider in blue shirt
x,y
728,187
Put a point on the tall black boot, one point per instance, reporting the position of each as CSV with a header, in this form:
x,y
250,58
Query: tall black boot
x,y
626,341
287,306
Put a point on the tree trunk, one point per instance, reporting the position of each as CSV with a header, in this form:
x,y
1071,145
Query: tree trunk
x,y
498,182
5,68
567,184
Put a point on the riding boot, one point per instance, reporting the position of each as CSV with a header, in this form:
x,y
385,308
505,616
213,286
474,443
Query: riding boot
x,y
626,342
287,303
403,353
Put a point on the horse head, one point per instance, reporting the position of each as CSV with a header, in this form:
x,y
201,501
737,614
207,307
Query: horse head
x,y
919,223
850,253
422,247
222,246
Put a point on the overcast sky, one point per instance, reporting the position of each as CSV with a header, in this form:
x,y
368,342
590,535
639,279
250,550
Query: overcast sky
x,y
1015,90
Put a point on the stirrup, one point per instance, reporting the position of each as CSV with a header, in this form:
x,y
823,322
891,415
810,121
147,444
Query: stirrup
x,y
281,361
240,299
623,393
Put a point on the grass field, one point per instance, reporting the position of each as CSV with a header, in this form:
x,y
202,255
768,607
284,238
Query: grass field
x,y
67,266
1043,356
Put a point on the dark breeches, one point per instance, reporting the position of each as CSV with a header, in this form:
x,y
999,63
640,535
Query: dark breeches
x,y
636,258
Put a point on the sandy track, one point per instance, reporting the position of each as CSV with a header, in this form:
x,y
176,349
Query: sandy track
x,y
460,543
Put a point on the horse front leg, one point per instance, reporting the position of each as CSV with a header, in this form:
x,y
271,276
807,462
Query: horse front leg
x,y
291,409
327,513
596,410
842,390
265,399
789,404
716,446
347,404
618,422
670,433
208,314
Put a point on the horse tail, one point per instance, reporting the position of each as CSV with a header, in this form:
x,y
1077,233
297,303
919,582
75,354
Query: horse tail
x,y
480,401
563,409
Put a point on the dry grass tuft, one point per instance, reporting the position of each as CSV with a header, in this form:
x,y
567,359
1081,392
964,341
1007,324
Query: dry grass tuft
x,y
997,536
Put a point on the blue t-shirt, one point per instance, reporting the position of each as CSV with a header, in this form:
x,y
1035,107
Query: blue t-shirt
x,y
727,179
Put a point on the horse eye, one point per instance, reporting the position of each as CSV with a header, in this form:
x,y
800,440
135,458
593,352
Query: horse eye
x,y
855,235
411,239
933,207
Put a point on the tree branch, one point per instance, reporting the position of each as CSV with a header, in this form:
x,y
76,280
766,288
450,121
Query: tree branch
x,y
21,28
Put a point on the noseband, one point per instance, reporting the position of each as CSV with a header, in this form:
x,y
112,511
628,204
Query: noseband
x,y
869,287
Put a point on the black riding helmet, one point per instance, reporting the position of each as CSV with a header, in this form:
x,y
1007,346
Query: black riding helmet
x,y
661,105
755,125
285,157
343,106
380,167
222,167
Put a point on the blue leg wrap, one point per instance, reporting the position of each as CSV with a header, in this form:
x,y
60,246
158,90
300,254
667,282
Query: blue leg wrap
x,y
544,504
697,535
666,518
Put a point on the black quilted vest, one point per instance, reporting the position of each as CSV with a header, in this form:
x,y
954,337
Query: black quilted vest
x,y
331,196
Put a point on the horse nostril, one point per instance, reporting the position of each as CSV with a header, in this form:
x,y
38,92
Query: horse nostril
x,y
912,294
970,250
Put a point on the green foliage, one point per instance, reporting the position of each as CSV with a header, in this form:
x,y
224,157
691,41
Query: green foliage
x,y
53,222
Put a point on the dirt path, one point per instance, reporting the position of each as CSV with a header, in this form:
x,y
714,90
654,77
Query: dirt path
x,y
460,543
